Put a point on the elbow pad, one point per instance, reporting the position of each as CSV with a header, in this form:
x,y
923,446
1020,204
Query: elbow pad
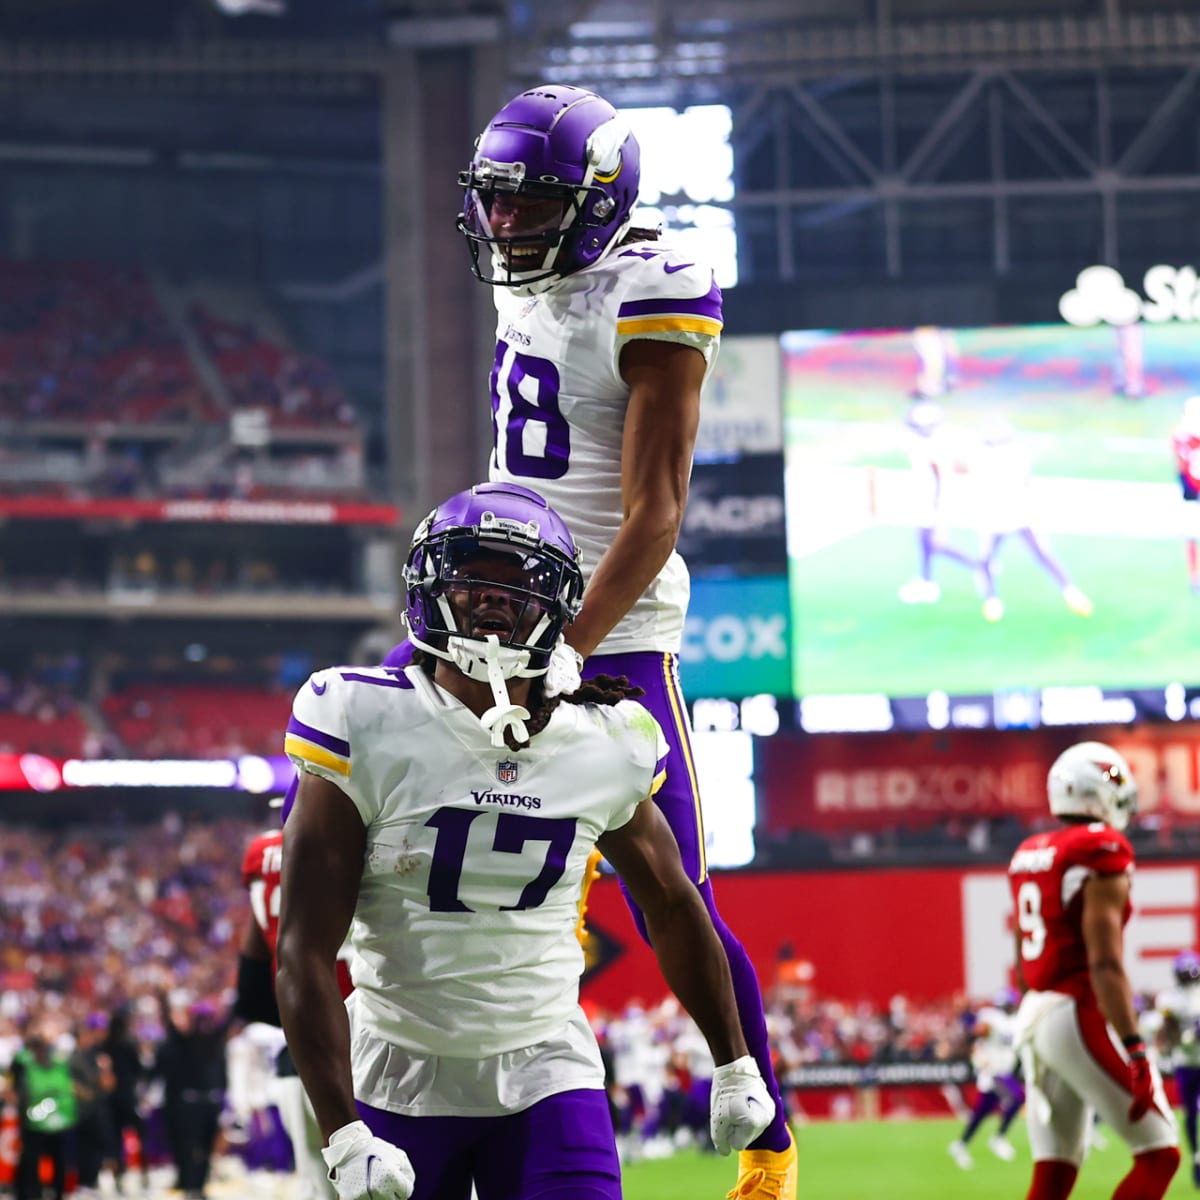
x,y
256,992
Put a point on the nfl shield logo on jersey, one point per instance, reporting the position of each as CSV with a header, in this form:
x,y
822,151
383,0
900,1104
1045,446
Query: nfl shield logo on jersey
x,y
507,771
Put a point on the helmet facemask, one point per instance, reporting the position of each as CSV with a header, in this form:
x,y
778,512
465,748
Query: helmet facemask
x,y
514,262
493,599
555,143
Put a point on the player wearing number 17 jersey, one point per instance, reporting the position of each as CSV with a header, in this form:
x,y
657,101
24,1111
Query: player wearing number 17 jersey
x,y
449,809
604,337
1076,1028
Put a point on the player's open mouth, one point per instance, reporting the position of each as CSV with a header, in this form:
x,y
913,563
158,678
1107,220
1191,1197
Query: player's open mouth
x,y
524,257
492,622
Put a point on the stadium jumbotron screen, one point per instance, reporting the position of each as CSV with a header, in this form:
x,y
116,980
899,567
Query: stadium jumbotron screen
x,y
988,527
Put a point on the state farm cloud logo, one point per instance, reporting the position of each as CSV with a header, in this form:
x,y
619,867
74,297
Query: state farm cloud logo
x,y
1100,295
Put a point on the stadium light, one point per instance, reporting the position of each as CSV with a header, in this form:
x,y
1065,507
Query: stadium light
x,y
240,8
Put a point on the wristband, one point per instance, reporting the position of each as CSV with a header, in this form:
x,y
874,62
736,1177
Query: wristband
x,y
1135,1045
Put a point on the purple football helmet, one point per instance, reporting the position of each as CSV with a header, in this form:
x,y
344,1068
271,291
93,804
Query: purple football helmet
x,y
511,561
569,149
1187,967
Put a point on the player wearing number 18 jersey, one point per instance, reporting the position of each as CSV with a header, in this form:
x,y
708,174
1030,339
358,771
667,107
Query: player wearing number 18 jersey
x,y
604,337
1076,1028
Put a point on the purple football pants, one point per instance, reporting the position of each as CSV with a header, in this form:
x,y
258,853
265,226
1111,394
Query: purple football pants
x,y
679,800
562,1148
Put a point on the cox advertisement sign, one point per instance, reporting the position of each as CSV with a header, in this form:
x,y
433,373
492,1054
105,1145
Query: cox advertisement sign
x,y
737,640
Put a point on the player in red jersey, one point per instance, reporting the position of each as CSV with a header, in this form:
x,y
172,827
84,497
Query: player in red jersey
x,y
1185,444
1076,1027
261,868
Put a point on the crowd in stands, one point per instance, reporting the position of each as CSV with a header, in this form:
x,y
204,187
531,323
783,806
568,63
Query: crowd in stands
x,y
39,707
164,721
111,918
160,706
90,343
297,390
88,350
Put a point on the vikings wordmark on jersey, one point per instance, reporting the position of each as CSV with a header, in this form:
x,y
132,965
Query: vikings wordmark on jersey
x,y
470,887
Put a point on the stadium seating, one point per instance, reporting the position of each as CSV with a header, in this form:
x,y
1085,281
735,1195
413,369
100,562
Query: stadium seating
x,y
88,342
160,721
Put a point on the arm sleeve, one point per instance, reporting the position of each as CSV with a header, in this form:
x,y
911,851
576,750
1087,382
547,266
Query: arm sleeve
x,y
671,300
647,755
319,739
1109,853
255,1000
318,736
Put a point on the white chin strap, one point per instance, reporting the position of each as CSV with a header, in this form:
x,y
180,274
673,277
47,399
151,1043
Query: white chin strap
x,y
497,664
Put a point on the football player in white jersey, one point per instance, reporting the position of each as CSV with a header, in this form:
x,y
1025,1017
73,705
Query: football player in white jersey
x,y
445,814
1179,1044
997,1080
604,337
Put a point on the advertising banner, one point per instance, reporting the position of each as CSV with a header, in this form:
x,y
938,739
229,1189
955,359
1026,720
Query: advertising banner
x,y
740,412
870,781
248,512
928,934
736,642
250,773
734,521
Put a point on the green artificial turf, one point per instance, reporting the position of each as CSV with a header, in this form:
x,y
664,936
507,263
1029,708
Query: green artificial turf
x,y
884,1160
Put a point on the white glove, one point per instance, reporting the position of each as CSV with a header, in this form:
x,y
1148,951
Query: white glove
x,y
562,675
740,1107
364,1167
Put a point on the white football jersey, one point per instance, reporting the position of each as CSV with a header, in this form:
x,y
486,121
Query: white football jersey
x,y
558,403
464,932
993,1052
1183,1003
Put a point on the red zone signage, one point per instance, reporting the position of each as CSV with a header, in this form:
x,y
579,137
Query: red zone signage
x,y
928,934
249,512
870,781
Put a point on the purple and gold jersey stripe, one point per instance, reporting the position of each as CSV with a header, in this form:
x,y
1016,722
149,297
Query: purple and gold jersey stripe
x,y
700,314
319,748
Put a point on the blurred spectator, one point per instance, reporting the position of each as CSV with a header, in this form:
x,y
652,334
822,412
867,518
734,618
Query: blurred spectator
x,y
191,1064
129,1073
46,1108
91,1068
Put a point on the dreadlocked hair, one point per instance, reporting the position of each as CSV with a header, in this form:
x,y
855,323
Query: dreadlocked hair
x,y
600,689
640,233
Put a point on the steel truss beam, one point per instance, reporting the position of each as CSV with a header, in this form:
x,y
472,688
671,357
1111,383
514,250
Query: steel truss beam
x,y
910,149
684,57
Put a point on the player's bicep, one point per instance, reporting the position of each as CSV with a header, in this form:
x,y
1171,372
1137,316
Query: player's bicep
x,y
1104,901
323,852
645,855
